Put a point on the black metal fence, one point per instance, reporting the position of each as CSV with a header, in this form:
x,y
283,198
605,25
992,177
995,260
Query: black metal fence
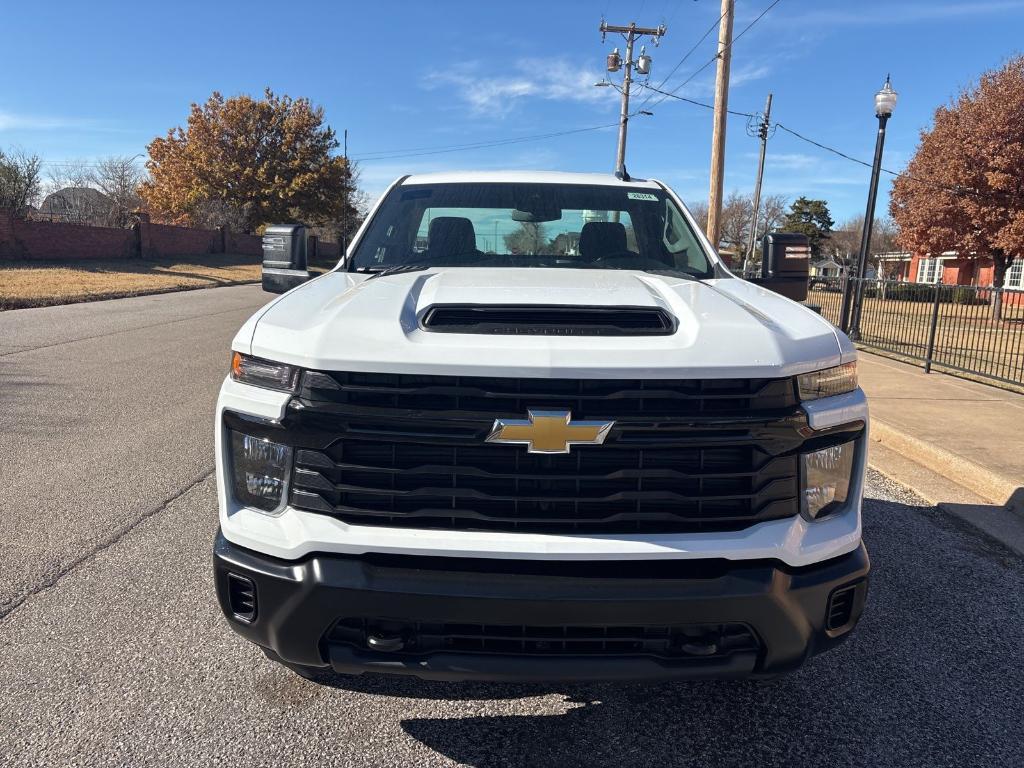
x,y
962,328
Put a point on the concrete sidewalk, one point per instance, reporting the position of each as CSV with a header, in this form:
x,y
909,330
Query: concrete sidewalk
x,y
957,443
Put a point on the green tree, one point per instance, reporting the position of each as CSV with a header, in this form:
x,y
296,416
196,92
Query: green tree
x,y
250,162
811,218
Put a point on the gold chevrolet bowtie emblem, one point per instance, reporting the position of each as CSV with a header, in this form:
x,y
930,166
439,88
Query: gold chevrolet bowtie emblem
x,y
549,431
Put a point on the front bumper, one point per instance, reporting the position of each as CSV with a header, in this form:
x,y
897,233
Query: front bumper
x,y
296,607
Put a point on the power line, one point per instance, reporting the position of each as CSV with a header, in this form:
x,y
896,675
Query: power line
x,y
714,58
695,102
421,151
685,57
954,190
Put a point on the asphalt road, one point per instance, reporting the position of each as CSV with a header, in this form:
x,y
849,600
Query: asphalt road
x,y
113,652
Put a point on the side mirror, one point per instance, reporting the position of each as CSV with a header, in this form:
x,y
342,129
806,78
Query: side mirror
x,y
785,264
284,257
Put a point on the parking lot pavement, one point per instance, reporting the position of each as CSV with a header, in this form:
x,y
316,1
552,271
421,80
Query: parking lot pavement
x,y
127,661
105,413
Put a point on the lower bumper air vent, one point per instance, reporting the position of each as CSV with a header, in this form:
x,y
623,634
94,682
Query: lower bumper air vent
x,y
242,598
844,605
546,320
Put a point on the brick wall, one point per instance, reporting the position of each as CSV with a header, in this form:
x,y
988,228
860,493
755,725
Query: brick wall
x,y
245,245
165,240
330,251
23,239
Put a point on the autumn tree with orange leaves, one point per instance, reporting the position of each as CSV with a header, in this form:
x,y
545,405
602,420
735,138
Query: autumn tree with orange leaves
x,y
964,188
248,162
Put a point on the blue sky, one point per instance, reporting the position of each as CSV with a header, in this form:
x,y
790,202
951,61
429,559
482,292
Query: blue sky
x,y
104,78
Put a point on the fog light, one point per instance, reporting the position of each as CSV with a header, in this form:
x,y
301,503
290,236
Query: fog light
x,y
826,480
260,469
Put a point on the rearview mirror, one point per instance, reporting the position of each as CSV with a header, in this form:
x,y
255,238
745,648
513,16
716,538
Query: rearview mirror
x,y
284,257
537,215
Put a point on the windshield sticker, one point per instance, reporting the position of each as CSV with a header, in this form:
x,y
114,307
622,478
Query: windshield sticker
x,y
642,196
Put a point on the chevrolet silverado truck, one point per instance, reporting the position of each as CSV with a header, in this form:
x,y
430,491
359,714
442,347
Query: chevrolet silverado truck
x,y
531,427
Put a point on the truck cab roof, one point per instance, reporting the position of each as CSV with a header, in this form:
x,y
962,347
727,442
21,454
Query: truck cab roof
x,y
527,177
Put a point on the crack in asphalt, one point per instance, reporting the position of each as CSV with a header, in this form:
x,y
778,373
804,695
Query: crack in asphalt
x,y
113,538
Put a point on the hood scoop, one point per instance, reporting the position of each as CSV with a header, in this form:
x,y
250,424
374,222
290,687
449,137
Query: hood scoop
x,y
548,320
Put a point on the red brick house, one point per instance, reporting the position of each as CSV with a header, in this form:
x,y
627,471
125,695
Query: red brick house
x,y
948,268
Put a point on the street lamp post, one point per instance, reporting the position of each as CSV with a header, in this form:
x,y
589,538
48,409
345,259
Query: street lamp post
x,y
885,102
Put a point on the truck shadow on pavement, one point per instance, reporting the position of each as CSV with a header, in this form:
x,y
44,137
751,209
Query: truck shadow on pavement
x,y
934,674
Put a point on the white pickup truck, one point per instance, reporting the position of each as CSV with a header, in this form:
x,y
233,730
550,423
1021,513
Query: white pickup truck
x,y
532,428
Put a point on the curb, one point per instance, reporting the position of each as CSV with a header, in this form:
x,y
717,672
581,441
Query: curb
x,y
955,487
982,481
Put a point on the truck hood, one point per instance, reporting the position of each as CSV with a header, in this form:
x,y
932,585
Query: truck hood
x,y
727,328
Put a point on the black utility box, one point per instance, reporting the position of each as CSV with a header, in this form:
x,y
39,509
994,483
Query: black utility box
x,y
284,257
785,264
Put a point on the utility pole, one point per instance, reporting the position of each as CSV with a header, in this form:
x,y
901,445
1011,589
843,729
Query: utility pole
x,y
643,66
718,132
762,133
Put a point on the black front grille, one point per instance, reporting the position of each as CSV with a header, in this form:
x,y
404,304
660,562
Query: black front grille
x,y
659,641
524,319
464,396
411,451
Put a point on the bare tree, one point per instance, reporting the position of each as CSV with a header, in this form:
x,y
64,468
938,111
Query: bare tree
x,y
528,239
773,212
700,214
19,181
118,178
737,214
72,197
846,239
211,214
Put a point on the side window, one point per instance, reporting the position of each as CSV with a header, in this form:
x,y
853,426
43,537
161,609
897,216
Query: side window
x,y
675,228
676,238
680,241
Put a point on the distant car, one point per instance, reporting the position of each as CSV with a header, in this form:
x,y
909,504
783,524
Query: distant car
x,y
824,283
532,428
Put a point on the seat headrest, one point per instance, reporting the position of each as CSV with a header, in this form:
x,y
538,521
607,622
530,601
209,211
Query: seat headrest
x,y
451,236
601,238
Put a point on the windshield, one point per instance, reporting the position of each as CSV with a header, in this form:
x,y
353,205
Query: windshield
x,y
530,225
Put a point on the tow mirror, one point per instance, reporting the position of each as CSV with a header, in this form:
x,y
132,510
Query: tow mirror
x,y
284,257
785,264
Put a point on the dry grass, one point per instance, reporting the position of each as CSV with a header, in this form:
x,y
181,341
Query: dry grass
x,y
45,283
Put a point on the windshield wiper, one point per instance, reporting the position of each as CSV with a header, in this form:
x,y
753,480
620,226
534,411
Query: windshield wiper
x,y
397,270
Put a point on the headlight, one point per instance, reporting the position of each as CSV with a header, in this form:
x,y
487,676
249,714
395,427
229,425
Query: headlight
x,y
825,480
264,373
828,382
260,470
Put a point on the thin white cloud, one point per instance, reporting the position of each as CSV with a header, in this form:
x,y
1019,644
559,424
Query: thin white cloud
x,y
791,161
749,74
13,121
908,13
497,96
